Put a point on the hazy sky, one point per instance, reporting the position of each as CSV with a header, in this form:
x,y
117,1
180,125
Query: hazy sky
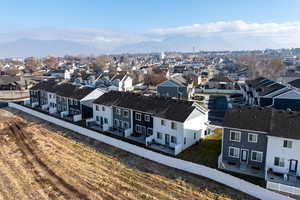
x,y
119,22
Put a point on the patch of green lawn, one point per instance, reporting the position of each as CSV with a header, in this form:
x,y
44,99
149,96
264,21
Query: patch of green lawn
x,y
205,152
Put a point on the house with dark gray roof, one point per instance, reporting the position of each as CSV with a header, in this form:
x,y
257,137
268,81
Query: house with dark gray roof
x,y
63,99
162,123
177,87
262,142
267,93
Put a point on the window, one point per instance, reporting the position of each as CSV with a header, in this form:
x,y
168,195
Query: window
x,y
279,162
287,144
234,152
150,131
252,137
195,135
147,118
173,125
126,113
138,129
118,110
105,121
159,135
235,136
97,118
173,139
116,123
97,107
162,122
138,116
256,156
184,141
103,108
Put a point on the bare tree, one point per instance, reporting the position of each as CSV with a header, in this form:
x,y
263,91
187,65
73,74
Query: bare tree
x,y
262,65
99,64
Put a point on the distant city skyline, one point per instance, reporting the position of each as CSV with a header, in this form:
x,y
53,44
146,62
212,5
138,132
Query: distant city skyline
x,y
145,26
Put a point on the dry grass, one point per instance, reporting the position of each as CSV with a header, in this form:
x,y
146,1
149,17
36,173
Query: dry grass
x,y
38,163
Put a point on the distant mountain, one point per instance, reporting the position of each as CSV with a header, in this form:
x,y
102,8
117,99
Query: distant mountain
x,y
30,47
187,43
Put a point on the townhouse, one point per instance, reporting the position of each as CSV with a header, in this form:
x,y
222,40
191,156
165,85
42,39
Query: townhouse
x,y
263,142
64,100
161,123
267,93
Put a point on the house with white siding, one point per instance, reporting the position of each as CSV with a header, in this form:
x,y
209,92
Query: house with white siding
x,y
161,123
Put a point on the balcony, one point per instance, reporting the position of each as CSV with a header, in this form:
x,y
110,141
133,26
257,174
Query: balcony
x,y
166,148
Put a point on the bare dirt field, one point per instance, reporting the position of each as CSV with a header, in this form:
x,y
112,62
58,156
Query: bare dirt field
x,y
39,160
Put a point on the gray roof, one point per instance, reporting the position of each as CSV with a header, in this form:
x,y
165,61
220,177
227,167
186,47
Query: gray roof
x,y
273,122
163,107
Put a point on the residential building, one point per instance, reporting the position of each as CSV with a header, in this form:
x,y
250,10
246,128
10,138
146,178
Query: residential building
x,y
161,123
263,142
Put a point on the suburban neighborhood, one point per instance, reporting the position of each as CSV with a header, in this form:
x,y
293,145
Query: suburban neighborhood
x,y
151,100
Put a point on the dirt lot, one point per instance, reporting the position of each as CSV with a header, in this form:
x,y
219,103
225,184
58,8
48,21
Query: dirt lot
x,y
39,160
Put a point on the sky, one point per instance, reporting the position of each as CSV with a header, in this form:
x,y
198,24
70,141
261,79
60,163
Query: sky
x,y
114,23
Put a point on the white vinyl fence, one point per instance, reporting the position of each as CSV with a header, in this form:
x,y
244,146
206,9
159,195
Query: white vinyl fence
x,y
216,175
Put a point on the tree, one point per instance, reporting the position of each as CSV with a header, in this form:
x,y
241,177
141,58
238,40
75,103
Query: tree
x,y
262,65
31,64
99,63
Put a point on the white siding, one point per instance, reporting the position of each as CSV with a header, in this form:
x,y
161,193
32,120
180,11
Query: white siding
x,y
107,113
166,129
275,149
195,123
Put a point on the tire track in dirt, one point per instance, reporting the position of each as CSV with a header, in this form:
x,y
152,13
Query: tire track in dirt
x,y
40,168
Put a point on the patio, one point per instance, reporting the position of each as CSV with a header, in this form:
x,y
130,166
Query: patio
x,y
287,179
242,169
162,148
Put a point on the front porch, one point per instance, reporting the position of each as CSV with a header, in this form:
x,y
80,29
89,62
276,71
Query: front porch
x,y
241,168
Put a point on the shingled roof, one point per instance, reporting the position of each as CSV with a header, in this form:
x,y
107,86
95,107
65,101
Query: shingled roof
x,y
64,89
73,91
163,107
48,86
273,122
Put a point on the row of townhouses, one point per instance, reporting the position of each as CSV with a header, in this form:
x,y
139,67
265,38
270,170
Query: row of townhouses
x,y
161,123
64,100
267,93
263,142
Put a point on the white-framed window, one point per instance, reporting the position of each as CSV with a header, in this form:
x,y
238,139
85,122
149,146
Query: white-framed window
x,y
118,110
147,118
173,125
195,136
279,162
257,156
235,136
97,107
162,122
234,152
184,140
138,116
105,121
138,128
126,113
103,108
252,137
174,139
159,135
287,144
